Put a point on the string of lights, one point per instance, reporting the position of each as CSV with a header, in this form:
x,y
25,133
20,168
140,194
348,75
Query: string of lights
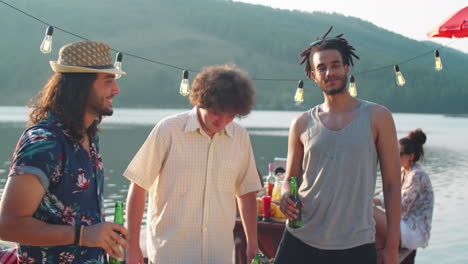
x,y
46,47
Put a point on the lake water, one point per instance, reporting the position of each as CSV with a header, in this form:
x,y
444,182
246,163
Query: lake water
x,y
446,161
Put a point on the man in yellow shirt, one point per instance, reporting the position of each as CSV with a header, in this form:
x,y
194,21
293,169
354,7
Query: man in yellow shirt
x,y
194,164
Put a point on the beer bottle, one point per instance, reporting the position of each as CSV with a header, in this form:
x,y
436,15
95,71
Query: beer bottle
x,y
294,195
260,259
118,219
256,260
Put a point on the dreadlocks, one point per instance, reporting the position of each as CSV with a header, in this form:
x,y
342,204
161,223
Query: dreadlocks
x,y
338,43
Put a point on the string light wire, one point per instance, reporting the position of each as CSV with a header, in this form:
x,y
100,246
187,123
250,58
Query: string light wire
x,y
191,70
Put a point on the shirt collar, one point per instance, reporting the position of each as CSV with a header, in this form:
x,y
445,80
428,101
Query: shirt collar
x,y
193,124
192,121
53,118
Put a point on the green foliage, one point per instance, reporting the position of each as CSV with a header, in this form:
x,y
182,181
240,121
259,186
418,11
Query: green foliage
x,y
192,34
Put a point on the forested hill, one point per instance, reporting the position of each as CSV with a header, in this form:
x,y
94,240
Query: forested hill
x,y
193,33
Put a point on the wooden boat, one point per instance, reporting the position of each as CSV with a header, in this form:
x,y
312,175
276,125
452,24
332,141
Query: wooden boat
x,y
269,237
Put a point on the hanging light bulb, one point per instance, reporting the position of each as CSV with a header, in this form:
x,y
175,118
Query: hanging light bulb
x,y
184,84
438,62
352,87
400,80
299,96
46,45
118,64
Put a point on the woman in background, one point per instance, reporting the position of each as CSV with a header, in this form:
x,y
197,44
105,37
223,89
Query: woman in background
x,y
417,197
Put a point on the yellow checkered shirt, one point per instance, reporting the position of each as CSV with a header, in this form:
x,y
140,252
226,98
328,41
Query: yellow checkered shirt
x,y
192,181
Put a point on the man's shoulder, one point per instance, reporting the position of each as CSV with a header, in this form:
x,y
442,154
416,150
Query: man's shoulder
x,y
45,128
305,114
377,108
175,120
42,137
379,113
302,118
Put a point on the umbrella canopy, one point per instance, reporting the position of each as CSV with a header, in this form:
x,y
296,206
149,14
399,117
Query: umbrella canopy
x,y
455,26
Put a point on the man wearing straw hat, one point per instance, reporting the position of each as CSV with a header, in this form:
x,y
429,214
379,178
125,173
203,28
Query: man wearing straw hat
x,y
52,204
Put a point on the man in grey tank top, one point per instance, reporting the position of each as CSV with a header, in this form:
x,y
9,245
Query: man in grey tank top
x,y
333,150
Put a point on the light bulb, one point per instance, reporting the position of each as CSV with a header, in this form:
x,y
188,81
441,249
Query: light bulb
x,y
352,87
118,64
400,80
299,96
184,84
46,45
438,62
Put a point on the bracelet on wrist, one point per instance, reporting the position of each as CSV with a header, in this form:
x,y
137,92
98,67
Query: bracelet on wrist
x,y
80,243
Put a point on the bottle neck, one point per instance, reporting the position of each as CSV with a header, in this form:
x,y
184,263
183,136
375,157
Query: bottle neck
x,y
118,214
293,187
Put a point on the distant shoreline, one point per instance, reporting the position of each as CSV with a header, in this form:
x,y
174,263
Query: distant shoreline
x,y
457,115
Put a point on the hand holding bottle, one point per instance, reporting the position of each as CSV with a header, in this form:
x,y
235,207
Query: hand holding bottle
x,y
290,203
105,236
260,259
294,196
288,207
119,258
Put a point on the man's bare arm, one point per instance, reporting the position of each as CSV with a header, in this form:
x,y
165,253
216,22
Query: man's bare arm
x,y
387,148
293,163
136,202
21,198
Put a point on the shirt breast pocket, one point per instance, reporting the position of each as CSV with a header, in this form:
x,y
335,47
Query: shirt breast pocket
x,y
226,175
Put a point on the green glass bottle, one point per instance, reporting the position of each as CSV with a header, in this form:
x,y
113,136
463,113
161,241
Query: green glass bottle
x,y
257,259
118,219
294,195
260,259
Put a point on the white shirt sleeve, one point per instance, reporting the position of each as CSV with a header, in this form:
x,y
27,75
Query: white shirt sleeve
x,y
146,165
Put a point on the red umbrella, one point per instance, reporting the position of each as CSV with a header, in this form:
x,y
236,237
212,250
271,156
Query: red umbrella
x,y
455,26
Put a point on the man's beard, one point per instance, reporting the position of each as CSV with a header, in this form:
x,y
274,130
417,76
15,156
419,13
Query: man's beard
x,y
334,91
98,107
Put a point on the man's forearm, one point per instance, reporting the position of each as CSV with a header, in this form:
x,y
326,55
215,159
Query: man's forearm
x,y
17,223
248,212
30,231
135,209
393,212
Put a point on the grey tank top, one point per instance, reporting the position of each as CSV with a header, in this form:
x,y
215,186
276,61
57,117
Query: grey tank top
x,y
339,174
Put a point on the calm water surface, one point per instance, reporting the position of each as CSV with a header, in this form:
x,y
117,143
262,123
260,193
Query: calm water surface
x,y
446,162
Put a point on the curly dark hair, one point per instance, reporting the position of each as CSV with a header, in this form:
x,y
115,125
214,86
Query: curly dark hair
x,y
223,88
65,95
337,43
413,144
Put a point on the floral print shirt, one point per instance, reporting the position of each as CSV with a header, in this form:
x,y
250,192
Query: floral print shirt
x,y
73,183
417,201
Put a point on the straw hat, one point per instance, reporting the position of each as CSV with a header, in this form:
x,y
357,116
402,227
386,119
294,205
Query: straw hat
x,y
85,56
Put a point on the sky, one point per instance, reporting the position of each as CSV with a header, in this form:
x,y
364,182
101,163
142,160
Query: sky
x,y
410,18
